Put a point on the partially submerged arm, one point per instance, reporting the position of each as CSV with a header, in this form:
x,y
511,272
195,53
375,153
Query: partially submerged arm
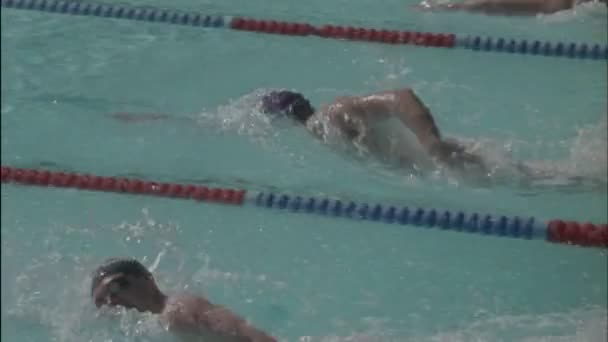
x,y
505,7
402,104
405,105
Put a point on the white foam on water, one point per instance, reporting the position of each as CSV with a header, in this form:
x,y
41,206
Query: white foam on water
x,y
52,291
241,115
582,325
584,167
153,267
579,13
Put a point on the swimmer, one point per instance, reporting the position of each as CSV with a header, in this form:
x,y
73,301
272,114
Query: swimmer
x,y
506,7
397,129
354,119
359,120
127,283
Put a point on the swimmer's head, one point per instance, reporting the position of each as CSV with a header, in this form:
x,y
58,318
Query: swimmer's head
x,y
128,283
288,103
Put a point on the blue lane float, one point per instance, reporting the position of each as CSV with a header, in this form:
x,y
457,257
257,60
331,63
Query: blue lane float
x,y
535,47
502,226
118,11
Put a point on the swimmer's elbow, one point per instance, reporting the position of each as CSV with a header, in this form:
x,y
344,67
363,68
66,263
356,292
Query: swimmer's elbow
x,y
405,92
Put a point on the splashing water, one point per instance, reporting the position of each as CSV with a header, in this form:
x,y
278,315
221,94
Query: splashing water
x,y
153,267
588,152
580,12
242,116
50,294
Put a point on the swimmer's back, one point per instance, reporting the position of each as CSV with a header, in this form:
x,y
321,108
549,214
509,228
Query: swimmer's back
x,y
191,316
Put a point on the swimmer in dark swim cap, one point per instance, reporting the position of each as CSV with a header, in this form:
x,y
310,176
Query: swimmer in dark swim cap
x,y
127,283
394,127
288,103
355,115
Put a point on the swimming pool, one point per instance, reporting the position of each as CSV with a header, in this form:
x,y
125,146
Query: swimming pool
x,y
295,275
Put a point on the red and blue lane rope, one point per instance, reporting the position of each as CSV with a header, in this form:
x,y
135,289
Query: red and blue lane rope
x,y
556,231
425,39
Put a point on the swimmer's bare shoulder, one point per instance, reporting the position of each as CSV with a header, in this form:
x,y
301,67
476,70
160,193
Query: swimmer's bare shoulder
x,y
343,114
336,109
348,108
193,316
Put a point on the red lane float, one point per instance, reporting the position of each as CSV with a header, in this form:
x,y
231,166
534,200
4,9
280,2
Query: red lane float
x,y
345,32
271,26
178,17
584,234
122,185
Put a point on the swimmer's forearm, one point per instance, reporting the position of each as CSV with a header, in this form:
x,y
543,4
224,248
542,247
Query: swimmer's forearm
x,y
505,7
515,7
404,105
417,117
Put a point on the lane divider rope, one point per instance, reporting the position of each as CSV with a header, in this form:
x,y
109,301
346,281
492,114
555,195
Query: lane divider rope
x,y
121,185
424,39
556,231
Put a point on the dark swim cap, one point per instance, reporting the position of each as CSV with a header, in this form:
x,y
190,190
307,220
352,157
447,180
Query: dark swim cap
x,y
115,265
289,103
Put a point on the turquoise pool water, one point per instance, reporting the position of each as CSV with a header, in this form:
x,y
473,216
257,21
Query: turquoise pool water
x,y
296,275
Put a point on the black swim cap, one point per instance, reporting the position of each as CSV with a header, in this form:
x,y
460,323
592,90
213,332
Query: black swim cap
x,y
289,103
117,265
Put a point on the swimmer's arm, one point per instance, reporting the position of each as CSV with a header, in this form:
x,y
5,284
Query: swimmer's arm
x,y
516,7
402,104
414,114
